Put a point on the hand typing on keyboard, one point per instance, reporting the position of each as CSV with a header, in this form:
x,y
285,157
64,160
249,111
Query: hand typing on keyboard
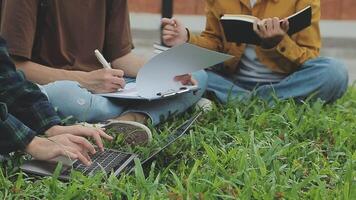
x,y
79,130
107,161
71,146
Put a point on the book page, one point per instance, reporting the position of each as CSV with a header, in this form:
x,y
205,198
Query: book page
x,y
247,18
129,92
299,12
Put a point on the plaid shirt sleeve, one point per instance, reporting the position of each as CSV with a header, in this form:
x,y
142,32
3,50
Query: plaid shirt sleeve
x,y
14,134
23,99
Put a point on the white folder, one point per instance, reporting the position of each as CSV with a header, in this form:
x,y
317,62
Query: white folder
x,y
155,80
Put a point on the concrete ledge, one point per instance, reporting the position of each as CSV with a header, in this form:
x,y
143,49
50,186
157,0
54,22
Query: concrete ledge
x,y
338,29
146,21
329,28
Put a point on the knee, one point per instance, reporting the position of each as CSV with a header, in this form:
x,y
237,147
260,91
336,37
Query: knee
x,y
202,78
333,77
100,113
335,74
72,100
61,88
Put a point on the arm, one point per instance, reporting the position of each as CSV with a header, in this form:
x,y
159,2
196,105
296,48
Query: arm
x,y
98,81
19,22
118,41
211,37
43,75
18,27
14,134
130,64
31,110
23,98
175,33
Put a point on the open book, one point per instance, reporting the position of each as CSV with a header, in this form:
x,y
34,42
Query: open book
x,y
239,28
155,80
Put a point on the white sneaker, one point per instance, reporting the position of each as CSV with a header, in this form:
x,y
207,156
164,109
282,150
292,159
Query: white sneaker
x,y
204,104
134,133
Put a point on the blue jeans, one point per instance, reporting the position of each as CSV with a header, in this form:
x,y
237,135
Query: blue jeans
x,y
323,78
72,100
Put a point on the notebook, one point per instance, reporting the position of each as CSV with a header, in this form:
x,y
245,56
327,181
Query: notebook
x,y
109,161
239,28
155,80
159,48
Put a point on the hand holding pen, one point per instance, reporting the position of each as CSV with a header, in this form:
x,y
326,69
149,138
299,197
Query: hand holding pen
x,y
102,60
174,32
104,80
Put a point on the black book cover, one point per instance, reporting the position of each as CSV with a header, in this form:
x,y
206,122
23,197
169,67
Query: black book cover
x,y
241,31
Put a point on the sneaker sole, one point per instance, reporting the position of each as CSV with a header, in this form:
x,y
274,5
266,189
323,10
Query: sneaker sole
x,y
135,124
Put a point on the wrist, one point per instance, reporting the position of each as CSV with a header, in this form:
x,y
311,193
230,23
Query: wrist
x,y
53,131
78,76
31,147
271,43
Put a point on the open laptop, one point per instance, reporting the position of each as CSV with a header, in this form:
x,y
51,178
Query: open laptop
x,y
108,161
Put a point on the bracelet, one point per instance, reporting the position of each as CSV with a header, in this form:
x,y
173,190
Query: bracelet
x,y
61,146
188,34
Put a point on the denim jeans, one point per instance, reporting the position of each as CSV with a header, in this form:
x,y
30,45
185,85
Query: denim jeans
x,y
323,78
72,100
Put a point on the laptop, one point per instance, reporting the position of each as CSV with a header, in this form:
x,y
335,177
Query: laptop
x,y
108,161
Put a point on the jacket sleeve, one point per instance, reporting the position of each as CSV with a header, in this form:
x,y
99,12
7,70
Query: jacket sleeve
x,y
303,46
211,37
24,99
14,135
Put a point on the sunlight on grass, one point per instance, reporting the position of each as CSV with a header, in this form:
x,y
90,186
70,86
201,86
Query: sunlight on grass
x,y
246,151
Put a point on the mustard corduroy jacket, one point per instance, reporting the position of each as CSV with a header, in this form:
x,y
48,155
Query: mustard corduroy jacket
x,y
286,57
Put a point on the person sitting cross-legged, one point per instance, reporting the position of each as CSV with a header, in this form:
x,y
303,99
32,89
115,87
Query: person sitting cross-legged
x,y
283,66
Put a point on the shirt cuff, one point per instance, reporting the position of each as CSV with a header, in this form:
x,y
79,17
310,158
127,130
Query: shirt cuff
x,y
46,117
286,47
17,135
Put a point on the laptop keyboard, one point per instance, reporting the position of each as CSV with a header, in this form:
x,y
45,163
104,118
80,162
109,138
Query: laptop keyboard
x,y
107,161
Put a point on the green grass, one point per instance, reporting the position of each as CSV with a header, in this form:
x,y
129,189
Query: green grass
x,y
245,151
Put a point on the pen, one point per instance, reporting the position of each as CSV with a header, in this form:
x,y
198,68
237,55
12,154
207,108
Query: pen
x,y
102,60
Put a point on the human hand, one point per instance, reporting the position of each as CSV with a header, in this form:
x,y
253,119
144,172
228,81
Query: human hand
x,y
104,80
79,130
271,31
74,147
174,32
186,79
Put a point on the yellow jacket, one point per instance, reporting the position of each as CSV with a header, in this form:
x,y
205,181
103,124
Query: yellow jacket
x,y
287,56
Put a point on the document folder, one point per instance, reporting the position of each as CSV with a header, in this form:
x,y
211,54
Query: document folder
x,y
155,80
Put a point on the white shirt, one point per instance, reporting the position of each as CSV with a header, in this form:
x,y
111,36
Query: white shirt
x,y
253,2
251,69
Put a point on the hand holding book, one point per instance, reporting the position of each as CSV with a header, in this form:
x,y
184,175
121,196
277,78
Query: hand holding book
x,y
240,28
271,31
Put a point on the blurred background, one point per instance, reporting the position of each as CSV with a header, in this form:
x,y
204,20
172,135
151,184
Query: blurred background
x,y
338,25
